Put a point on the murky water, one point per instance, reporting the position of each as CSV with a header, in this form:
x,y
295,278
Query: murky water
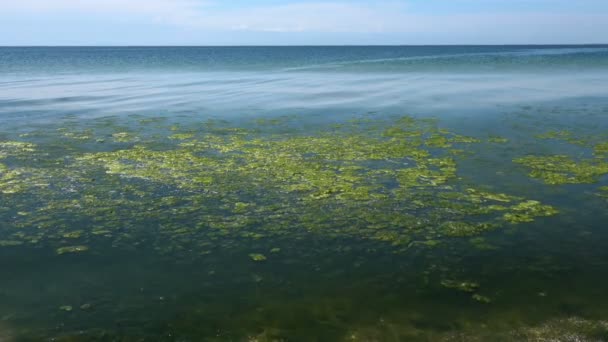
x,y
236,199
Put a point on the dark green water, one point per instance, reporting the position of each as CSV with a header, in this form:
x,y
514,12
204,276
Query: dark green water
x,y
272,204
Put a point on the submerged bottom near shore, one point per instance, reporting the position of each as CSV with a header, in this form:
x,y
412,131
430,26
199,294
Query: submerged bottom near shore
x,y
367,228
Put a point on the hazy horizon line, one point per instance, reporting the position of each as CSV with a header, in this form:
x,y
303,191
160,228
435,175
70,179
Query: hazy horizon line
x,y
305,45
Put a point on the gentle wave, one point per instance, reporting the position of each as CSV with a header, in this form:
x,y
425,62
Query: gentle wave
x,y
237,93
514,59
39,83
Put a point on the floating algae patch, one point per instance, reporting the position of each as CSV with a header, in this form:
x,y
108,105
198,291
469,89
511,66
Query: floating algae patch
x,y
19,180
464,286
257,257
179,167
528,211
124,137
603,191
9,181
601,150
481,298
10,243
498,140
15,148
562,169
72,249
563,135
587,161
394,183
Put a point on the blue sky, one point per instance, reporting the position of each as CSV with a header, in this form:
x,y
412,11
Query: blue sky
x,y
296,22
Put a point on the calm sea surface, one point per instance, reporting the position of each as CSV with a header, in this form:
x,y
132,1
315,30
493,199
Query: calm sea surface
x,y
432,193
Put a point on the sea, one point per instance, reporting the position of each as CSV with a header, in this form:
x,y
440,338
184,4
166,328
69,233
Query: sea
x,y
304,193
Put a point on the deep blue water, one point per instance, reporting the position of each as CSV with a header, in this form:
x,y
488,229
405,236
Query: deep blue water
x,y
78,60
110,165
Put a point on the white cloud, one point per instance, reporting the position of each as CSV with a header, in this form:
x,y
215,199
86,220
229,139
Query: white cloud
x,y
338,16
153,9
295,17
395,18
316,17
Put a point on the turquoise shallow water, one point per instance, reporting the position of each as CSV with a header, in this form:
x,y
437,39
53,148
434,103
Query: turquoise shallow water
x,y
304,193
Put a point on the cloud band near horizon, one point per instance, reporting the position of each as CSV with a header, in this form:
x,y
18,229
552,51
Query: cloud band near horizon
x,y
200,22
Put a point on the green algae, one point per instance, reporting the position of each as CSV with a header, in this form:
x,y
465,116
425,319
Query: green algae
x,y
13,148
601,149
482,299
482,244
84,135
19,180
563,135
562,169
10,243
239,210
71,249
9,183
464,286
257,257
478,196
528,211
498,140
66,308
124,137
398,186
464,229
587,167
11,180
73,235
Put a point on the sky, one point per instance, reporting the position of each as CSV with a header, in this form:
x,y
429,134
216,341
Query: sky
x,y
302,22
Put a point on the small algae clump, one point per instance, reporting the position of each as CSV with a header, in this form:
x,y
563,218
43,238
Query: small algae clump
x,y
481,243
241,207
529,210
181,136
124,137
257,257
498,140
563,135
73,235
478,196
72,249
10,243
462,229
482,299
464,286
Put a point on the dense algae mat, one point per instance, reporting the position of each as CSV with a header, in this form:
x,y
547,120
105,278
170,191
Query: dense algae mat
x,y
395,181
260,191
